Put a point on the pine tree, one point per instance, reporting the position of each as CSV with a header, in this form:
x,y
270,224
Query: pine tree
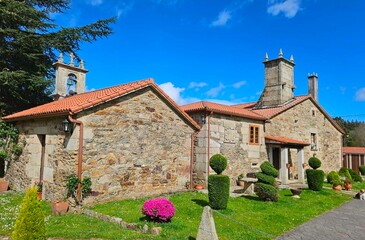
x,y
30,221
29,40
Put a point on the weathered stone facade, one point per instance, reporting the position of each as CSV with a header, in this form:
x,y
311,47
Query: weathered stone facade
x,y
299,122
134,146
228,136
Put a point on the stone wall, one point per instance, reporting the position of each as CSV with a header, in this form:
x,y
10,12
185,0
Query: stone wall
x,y
298,123
228,136
134,146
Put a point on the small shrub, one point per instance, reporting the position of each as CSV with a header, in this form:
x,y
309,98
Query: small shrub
x,y
158,209
218,163
218,191
333,176
265,178
362,169
344,172
30,221
86,186
314,162
354,175
315,179
336,183
267,168
267,192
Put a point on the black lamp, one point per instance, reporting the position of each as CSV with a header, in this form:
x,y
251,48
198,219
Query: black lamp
x,y
66,126
203,118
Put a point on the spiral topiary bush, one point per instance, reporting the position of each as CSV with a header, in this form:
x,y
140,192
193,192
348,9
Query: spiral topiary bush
x,y
218,163
218,185
158,209
314,163
265,188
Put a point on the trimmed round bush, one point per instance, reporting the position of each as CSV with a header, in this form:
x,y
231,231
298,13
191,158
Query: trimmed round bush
x,y
314,162
344,172
265,178
267,192
362,169
333,176
158,209
30,221
315,179
218,191
354,175
337,183
218,163
269,169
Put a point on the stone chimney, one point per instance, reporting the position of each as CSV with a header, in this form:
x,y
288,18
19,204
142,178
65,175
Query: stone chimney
x,y
70,79
279,81
313,85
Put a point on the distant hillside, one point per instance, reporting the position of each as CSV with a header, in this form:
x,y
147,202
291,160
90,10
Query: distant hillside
x,y
355,131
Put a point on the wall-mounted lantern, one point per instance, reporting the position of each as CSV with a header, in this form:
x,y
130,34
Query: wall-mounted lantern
x,y
203,118
67,127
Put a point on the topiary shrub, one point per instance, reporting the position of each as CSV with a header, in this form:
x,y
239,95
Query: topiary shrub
x,y
315,179
30,221
314,176
354,175
268,169
267,192
362,169
314,163
218,191
158,209
265,178
218,163
333,176
344,172
218,185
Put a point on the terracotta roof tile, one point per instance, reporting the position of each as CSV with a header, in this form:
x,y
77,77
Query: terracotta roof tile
x,y
79,102
285,140
353,150
222,109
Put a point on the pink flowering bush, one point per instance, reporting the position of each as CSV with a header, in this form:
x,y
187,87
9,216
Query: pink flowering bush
x,y
158,209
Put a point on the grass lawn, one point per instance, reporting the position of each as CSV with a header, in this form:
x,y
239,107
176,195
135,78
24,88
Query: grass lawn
x,y
245,217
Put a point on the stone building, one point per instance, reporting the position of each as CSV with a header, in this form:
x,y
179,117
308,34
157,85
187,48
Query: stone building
x,y
353,157
131,139
280,127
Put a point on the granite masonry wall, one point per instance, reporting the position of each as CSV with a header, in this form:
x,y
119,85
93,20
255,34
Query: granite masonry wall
x,y
134,146
298,123
228,136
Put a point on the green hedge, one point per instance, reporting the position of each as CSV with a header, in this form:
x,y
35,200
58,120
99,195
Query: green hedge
x,y
315,179
354,175
265,178
333,177
218,163
344,172
314,162
267,192
269,169
218,191
362,169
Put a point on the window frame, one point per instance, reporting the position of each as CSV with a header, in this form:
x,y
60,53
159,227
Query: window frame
x,y
255,135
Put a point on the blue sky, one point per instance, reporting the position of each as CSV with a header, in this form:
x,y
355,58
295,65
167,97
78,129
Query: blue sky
x,y
213,50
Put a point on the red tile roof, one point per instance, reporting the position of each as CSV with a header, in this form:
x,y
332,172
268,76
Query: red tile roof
x,y
245,105
79,102
353,150
222,109
284,140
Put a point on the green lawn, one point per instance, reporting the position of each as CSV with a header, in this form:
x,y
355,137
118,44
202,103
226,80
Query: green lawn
x,y
245,217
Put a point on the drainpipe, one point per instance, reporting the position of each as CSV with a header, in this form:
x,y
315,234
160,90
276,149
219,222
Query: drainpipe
x,y
191,159
81,140
209,116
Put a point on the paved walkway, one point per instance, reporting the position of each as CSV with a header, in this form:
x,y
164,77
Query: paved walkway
x,y
345,222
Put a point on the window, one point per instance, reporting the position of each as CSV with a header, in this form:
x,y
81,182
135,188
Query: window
x,y
254,134
313,112
313,141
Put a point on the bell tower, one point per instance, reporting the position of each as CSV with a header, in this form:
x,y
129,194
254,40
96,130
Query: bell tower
x,y
70,79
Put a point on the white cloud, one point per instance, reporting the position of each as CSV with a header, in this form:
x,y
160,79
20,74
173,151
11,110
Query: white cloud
x,y
215,91
239,84
222,19
173,92
288,7
95,2
197,84
360,95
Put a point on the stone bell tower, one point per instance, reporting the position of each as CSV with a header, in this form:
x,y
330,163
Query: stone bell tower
x,y
279,81
70,79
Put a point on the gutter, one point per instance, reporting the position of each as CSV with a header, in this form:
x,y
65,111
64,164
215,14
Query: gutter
x,y
208,150
80,152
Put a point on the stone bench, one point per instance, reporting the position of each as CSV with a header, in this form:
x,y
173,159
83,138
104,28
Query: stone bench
x,y
248,187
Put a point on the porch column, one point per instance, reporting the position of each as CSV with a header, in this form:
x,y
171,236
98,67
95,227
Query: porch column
x,y
283,170
300,159
270,155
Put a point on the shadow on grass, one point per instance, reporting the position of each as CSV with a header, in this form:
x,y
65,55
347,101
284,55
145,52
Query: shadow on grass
x,y
254,198
200,202
191,238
